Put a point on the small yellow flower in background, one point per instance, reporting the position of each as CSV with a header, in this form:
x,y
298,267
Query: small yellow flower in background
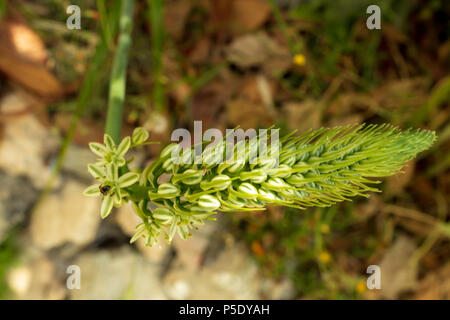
x,y
324,257
299,59
324,228
361,287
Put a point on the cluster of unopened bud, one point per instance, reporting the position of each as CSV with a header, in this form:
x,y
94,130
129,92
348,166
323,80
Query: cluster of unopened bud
x,y
317,168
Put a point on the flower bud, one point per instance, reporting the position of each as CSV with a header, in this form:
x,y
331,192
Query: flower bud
x,y
167,151
237,201
163,214
276,184
247,190
189,177
236,166
288,160
168,190
266,194
139,136
209,202
220,182
296,179
283,171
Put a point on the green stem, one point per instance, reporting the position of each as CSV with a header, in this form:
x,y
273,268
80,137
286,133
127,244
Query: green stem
x,y
2,8
104,21
118,74
156,8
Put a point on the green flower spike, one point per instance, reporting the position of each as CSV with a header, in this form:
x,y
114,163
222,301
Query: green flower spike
x,y
317,168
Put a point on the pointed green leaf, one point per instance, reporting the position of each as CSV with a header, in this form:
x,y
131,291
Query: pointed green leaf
x,y
124,146
173,230
98,148
138,210
96,171
183,232
112,172
107,206
128,179
139,233
109,142
117,196
93,190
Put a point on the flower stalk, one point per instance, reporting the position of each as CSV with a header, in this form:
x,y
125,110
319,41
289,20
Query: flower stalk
x,y
118,74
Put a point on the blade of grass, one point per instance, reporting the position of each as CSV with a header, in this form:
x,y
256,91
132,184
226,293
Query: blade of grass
x,y
155,15
105,23
439,95
118,74
2,8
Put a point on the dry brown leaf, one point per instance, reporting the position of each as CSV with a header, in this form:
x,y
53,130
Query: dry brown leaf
x,y
258,49
369,208
175,15
395,184
248,15
247,114
19,64
354,118
201,50
26,42
208,101
248,109
408,93
302,116
435,285
346,103
393,33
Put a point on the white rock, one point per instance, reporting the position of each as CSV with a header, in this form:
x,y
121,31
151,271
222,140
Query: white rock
x,y
77,160
24,147
36,279
117,274
19,280
14,102
191,251
17,195
68,216
232,276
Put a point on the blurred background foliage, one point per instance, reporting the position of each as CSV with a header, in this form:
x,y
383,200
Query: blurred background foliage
x,y
298,64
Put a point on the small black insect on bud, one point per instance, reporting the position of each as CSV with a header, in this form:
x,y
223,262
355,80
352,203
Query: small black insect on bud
x,y
104,189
